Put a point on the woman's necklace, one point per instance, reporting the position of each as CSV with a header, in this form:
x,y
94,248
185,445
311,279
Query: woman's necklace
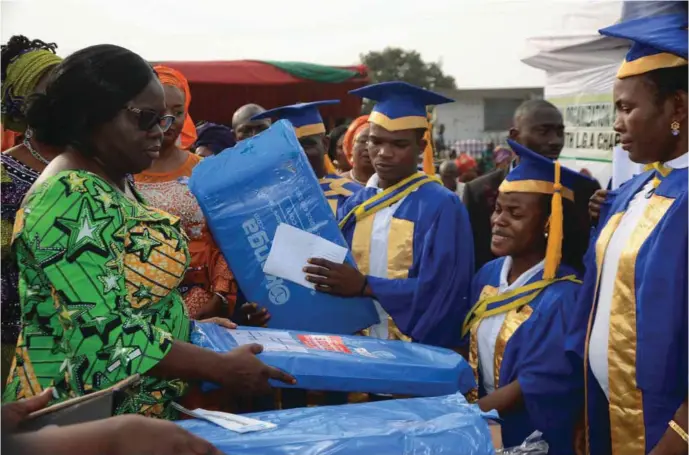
x,y
32,150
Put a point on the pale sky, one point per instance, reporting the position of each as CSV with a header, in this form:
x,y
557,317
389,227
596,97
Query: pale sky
x,y
480,42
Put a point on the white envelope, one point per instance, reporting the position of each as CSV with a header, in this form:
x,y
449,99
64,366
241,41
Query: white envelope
x,y
291,249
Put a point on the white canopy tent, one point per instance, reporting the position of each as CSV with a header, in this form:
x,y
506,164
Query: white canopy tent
x,y
580,68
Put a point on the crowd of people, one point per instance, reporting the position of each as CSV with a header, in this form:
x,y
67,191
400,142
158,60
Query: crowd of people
x,y
569,302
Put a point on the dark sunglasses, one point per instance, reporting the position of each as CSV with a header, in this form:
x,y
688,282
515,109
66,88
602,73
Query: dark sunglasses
x,y
149,118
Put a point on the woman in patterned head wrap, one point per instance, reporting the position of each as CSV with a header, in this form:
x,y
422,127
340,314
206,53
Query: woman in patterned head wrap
x,y
26,66
356,150
209,288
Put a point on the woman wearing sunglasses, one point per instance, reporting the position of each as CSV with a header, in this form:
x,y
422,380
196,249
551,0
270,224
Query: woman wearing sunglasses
x,y
99,269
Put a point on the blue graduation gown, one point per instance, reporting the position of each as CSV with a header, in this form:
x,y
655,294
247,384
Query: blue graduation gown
x,y
530,340
430,263
337,190
648,364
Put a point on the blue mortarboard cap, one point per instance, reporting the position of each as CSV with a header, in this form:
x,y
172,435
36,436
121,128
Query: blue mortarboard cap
x,y
304,117
657,42
536,174
400,106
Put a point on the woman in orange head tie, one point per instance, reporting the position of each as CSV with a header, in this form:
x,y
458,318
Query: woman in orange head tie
x,y
209,288
355,146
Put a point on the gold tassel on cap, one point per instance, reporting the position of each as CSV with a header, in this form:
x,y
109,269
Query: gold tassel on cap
x,y
553,252
428,166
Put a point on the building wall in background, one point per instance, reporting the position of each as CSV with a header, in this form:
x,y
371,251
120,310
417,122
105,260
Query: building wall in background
x,y
481,114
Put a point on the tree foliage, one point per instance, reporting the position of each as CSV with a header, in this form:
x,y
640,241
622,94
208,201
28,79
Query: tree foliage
x,y
395,64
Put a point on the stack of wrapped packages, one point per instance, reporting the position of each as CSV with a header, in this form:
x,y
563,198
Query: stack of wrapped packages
x,y
348,363
246,192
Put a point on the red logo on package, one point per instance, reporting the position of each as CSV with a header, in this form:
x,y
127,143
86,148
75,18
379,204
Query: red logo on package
x,y
324,343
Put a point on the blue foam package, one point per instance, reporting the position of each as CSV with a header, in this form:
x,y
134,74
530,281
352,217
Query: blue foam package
x,y
348,363
418,426
245,193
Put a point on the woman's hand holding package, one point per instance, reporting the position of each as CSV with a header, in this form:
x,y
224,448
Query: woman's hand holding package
x,y
239,371
242,370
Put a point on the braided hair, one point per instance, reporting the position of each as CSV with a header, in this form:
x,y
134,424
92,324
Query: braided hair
x,y
18,45
24,64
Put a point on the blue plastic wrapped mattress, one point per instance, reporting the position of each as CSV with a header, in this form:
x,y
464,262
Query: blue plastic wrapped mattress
x,y
348,363
419,426
245,193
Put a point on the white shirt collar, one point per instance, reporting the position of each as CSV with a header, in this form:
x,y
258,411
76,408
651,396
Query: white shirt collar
x,y
523,278
373,182
681,162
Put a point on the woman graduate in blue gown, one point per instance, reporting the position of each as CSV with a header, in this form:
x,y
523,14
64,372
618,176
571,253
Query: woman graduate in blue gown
x,y
630,323
516,326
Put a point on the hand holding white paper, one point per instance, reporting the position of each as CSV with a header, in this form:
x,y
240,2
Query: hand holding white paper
x,y
291,250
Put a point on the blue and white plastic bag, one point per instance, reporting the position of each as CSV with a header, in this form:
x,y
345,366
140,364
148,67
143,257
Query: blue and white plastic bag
x,y
420,426
245,193
348,363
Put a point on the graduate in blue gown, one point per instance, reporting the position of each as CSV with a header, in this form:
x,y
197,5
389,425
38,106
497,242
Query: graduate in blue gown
x,y
630,323
516,326
410,236
310,130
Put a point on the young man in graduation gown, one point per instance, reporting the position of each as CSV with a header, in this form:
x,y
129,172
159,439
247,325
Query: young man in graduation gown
x,y
630,321
410,236
310,130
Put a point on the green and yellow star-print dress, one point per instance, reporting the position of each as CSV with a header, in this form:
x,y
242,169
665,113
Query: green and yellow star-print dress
x,y
98,275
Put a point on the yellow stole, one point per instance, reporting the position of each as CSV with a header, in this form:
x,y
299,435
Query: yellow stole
x,y
497,304
387,197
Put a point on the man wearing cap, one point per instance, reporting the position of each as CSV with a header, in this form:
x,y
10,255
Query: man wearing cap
x,y
410,236
310,130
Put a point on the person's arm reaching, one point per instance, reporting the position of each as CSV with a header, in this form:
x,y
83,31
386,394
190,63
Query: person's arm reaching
x,y
504,399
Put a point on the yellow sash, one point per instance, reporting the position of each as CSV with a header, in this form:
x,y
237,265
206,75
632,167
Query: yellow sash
x,y
388,197
480,310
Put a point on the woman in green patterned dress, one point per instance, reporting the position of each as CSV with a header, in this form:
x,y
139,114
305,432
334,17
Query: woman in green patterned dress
x,y
98,267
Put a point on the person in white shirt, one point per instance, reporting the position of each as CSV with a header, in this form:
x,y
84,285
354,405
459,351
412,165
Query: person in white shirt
x,y
630,321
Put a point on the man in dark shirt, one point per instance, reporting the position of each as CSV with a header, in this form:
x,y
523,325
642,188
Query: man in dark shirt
x,y
537,125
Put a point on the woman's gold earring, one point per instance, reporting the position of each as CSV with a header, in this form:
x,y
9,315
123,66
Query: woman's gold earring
x,y
675,128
